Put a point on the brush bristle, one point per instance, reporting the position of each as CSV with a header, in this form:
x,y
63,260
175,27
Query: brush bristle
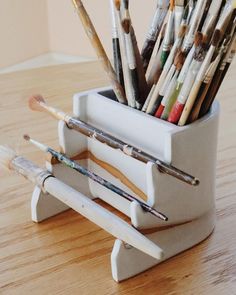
x,y
216,38
126,25
172,5
179,60
26,137
182,31
6,156
35,103
198,39
117,4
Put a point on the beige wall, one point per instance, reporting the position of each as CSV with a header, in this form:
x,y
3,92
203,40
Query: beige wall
x,y
29,28
66,32
23,30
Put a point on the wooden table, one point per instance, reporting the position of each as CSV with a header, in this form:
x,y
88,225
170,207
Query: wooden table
x,y
68,254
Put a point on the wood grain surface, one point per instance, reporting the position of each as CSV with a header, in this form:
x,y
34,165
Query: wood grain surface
x,y
68,254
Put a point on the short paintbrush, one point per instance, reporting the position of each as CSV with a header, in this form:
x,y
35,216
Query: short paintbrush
x,y
37,103
84,171
95,41
86,207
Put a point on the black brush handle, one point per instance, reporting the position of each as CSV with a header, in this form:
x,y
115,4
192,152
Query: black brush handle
x,y
135,85
118,61
147,52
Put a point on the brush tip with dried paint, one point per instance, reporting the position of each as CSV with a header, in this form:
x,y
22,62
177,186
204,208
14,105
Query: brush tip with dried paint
x,y
216,38
172,5
26,137
126,24
179,60
117,4
182,31
198,39
35,102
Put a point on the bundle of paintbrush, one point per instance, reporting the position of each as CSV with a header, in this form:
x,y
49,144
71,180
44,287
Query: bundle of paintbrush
x,y
184,59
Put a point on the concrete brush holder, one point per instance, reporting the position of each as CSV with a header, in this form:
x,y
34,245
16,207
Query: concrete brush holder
x,y
192,148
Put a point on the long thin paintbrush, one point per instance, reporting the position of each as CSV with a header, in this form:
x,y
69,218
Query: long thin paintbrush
x,y
92,211
182,76
179,11
131,58
178,107
178,64
199,79
116,45
219,77
37,103
154,30
84,171
155,99
97,45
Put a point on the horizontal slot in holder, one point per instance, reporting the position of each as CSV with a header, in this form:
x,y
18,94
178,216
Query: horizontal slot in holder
x,y
192,148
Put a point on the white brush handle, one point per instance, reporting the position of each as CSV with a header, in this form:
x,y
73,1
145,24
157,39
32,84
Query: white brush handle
x,y
102,217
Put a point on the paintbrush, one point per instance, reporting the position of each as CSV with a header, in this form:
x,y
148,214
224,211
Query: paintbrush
x,y
194,23
182,76
210,74
178,107
155,99
154,30
102,56
131,58
96,178
126,72
178,64
210,20
37,103
154,67
142,82
199,78
179,11
116,46
168,38
92,211
219,77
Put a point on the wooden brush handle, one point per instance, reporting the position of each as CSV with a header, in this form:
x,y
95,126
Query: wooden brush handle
x,y
97,45
189,104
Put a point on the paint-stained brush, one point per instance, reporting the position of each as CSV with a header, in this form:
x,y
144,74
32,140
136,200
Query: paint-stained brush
x,y
199,78
154,30
97,45
179,11
37,103
182,76
96,178
116,45
193,70
131,57
219,77
77,201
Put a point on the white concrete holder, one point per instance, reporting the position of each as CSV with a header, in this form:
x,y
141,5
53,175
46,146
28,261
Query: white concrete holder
x,y
191,210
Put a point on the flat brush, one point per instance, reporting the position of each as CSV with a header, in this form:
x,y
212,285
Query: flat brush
x,y
153,33
199,79
37,103
77,201
97,45
116,46
84,171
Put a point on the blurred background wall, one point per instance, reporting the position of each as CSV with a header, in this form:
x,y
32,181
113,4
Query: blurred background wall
x,y
30,28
